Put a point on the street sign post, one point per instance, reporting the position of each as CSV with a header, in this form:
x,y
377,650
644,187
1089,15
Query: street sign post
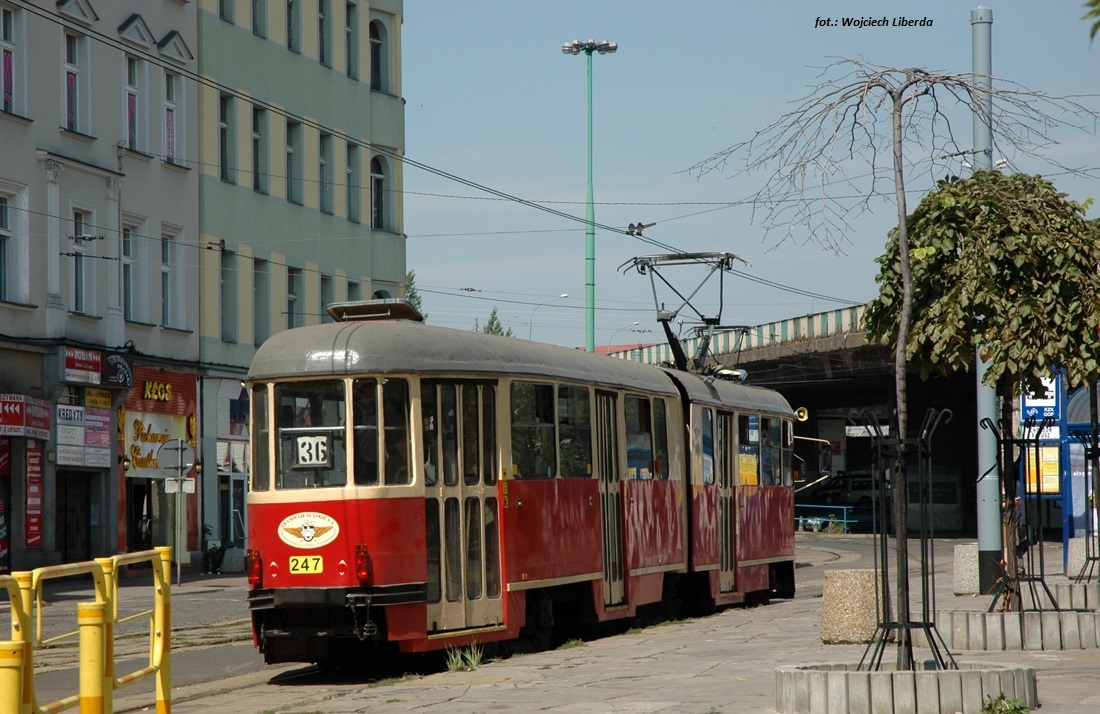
x,y
173,458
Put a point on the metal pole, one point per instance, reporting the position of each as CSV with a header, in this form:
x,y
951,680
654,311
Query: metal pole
x,y
590,236
988,488
179,493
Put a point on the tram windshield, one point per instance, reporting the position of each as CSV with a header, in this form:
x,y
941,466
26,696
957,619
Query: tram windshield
x,y
310,441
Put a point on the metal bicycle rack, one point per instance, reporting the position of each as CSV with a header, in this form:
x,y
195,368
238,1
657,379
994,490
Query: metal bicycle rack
x,y
886,451
1028,516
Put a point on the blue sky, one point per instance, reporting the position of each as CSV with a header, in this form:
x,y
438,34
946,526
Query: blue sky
x,y
492,99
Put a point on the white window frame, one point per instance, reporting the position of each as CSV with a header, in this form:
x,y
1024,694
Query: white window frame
x,y
12,61
354,183
378,69
260,176
171,277
134,78
259,18
14,235
75,72
324,32
378,208
227,148
82,291
325,198
351,40
173,145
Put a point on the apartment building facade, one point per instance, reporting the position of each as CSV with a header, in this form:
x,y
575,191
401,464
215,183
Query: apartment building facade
x,y
170,195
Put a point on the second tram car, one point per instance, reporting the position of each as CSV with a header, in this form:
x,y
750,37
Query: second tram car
x,y
418,488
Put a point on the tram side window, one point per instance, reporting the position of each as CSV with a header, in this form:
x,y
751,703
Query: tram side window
x,y
488,434
574,432
429,415
365,428
639,438
533,452
748,457
770,458
395,416
311,450
785,449
708,446
470,437
660,440
261,432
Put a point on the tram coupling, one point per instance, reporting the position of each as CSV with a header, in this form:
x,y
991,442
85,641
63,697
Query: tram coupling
x,y
359,604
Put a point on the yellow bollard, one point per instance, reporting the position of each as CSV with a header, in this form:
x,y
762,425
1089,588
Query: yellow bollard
x,y
25,579
11,675
110,599
90,617
162,621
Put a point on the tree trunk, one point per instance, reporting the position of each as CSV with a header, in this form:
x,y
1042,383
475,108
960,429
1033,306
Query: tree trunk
x,y
899,481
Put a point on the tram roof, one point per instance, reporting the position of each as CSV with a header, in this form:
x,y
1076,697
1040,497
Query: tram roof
x,y
409,347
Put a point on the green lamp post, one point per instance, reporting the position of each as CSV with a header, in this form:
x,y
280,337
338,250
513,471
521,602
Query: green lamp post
x,y
575,48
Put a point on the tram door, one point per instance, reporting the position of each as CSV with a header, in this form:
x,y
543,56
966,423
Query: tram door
x,y
727,504
611,505
463,540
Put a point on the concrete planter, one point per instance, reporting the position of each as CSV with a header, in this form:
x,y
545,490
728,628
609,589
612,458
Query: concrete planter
x,y
834,688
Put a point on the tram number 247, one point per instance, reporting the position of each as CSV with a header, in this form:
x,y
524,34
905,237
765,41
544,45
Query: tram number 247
x,y
307,564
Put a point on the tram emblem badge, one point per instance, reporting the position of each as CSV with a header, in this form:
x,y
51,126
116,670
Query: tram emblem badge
x,y
308,529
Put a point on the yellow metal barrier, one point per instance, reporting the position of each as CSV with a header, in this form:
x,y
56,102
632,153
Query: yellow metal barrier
x,y
96,622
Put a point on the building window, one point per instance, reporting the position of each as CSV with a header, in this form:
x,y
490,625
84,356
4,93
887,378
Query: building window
x,y
293,41
354,291
5,244
324,33
293,162
80,240
259,150
127,273
170,92
9,61
293,291
167,255
261,301
226,145
324,168
377,194
259,18
377,70
74,83
351,39
135,138
229,306
328,296
353,185
225,9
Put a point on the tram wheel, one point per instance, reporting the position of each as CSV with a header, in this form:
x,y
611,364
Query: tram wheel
x,y
539,627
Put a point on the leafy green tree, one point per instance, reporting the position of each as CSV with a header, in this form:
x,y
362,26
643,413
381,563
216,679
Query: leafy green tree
x,y
411,293
493,326
1093,13
1005,265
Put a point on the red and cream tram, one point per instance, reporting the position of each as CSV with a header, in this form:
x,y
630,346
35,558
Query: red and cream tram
x,y
420,487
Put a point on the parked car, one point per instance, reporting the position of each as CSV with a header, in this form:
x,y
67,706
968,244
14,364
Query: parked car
x,y
846,489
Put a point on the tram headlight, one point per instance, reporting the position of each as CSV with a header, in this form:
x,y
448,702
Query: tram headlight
x,y
254,566
363,570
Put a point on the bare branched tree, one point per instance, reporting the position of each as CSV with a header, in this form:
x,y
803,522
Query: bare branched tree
x,y
825,164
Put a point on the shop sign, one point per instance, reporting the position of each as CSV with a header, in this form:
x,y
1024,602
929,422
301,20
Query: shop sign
x,y
24,416
69,455
83,366
118,371
34,498
97,427
100,398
